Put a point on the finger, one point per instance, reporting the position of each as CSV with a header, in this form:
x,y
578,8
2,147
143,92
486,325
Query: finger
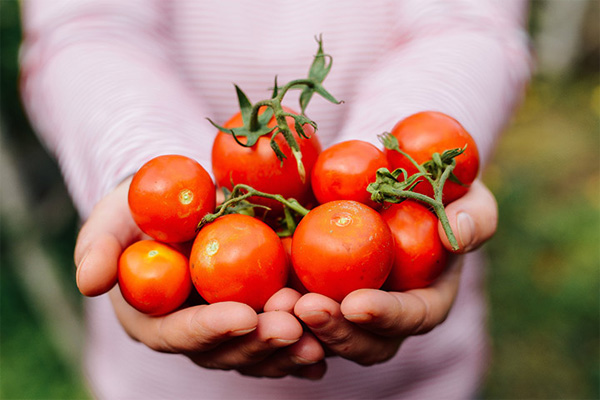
x,y
473,218
344,338
97,269
283,300
189,330
401,314
289,360
103,237
274,330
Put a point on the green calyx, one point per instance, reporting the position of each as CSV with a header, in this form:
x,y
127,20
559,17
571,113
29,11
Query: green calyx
x,y
256,123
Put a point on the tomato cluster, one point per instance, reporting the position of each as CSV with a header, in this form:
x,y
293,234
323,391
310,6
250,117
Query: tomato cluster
x,y
329,222
345,242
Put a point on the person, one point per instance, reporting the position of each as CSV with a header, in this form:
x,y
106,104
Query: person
x,y
109,84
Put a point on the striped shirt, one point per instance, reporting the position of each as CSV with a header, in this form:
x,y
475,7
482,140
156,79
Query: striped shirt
x,y
109,84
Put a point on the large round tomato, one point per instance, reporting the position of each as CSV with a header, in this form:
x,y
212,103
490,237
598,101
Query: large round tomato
x,y
422,134
420,256
238,258
258,166
342,246
169,195
153,277
344,170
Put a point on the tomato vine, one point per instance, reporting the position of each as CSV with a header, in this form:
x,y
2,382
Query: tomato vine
x,y
397,186
256,116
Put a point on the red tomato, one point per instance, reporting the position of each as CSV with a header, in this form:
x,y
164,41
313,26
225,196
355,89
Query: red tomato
x,y
238,258
168,197
344,170
153,277
259,167
420,256
342,246
428,132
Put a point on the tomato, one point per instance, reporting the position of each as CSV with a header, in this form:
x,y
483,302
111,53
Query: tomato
x,y
238,258
344,170
258,166
153,277
420,256
341,246
169,195
422,134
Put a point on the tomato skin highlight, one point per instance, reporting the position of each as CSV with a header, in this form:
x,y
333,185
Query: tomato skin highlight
x,y
169,195
153,277
420,256
344,170
238,258
342,246
258,166
422,134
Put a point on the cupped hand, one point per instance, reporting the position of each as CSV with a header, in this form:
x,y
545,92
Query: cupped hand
x,y
369,325
226,335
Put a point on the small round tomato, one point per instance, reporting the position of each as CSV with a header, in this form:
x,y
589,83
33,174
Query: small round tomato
x,y
238,258
169,195
344,170
153,277
342,246
422,134
420,256
258,166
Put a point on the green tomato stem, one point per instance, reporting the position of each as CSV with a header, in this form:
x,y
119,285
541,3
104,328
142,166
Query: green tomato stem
x,y
243,192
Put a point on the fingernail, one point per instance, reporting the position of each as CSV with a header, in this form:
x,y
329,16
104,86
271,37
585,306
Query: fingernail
x,y
302,361
359,318
466,229
283,342
242,332
81,268
315,319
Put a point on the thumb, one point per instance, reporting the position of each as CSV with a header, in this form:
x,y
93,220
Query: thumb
x,y
101,240
473,218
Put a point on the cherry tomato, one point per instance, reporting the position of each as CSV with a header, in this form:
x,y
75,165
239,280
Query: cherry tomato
x,y
341,246
344,170
420,256
153,277
422,134
238,258
259,167
169,195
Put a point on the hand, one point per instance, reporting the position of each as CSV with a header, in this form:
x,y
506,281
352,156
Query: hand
x,y
473,218
369,325
226,335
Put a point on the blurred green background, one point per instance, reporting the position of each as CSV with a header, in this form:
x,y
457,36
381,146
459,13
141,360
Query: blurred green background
x,y
544,277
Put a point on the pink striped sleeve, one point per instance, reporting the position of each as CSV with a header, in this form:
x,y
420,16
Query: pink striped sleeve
x,y
101,90
469,59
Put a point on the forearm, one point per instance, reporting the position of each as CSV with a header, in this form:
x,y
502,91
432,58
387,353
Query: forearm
x,y
101,90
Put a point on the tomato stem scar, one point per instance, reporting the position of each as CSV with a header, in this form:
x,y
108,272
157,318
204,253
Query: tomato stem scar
x,y
186,196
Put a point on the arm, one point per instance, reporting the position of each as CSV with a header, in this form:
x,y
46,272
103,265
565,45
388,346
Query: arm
x,y
102,91
470,60
100,88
